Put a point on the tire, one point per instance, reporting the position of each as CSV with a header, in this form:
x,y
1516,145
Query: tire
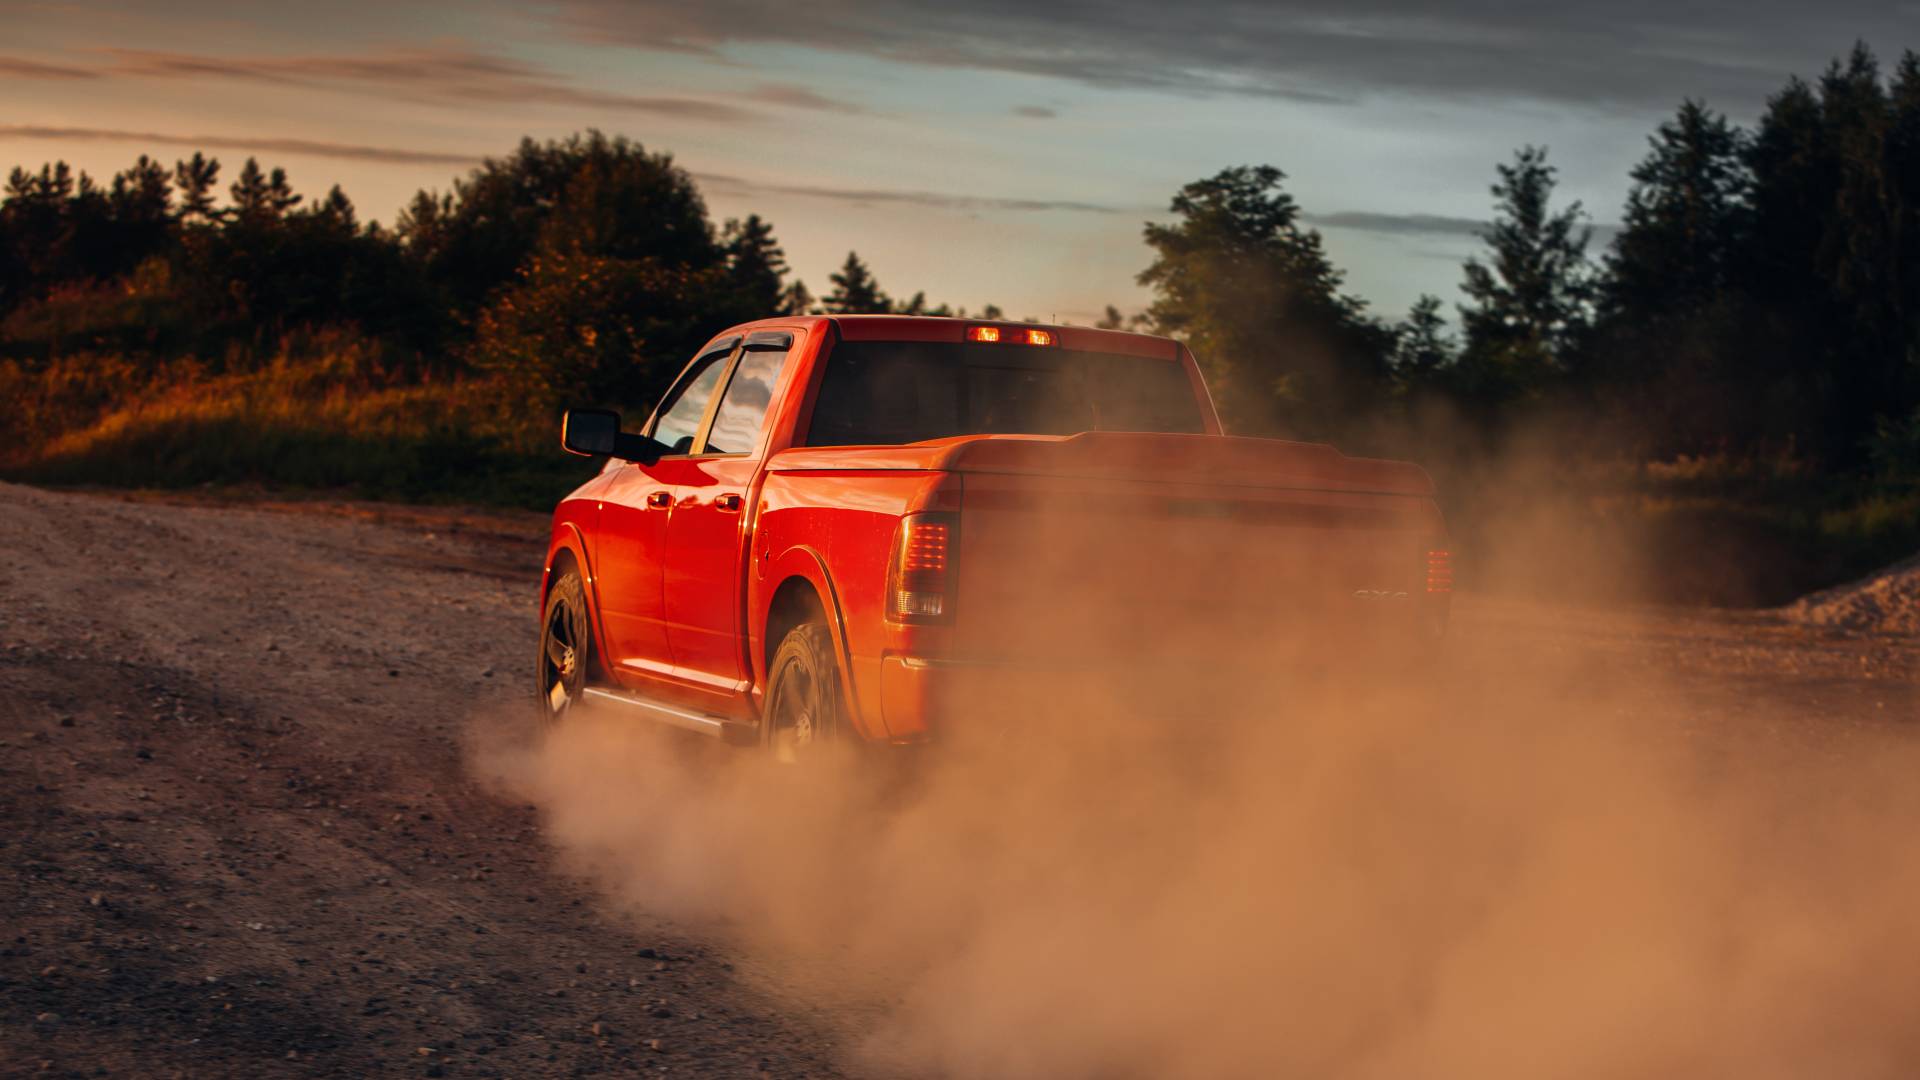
x,y
804,718
566,650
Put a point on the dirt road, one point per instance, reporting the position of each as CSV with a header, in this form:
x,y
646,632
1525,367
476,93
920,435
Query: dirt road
x,y
244,839
239,837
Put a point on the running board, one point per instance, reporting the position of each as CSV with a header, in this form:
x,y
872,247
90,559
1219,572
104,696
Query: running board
x,y
733,731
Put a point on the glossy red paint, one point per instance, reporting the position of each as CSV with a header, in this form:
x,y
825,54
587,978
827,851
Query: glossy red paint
x,y
685,557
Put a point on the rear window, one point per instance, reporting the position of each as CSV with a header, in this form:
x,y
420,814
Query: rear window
x,y
891,392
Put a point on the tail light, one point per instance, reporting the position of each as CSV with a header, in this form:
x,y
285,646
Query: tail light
x,y
1439,571
920,576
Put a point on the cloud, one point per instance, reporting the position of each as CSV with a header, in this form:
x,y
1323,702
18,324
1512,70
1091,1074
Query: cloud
x,y
800,97
1398,224
1035,112
1635,54
1433,225
14,67
932,200
437,74
245,144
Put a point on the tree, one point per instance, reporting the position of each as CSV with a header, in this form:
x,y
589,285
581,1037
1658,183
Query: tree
x,y
1684,217
1256,298
1830,262
337,210
590,329
796,299
196,177
1859,261
617,268
587,195
755,265
1422,348
1670,346
260,197
855,292
1531,302
1111,319
143,194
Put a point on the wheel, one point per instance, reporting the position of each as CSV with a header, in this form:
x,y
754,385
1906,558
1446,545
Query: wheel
x,y
565,646
803,695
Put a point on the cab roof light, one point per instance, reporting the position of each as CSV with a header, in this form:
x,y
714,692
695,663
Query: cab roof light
x,y
1019,335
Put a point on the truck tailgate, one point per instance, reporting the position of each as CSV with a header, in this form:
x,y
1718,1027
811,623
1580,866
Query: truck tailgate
x,y
1140,548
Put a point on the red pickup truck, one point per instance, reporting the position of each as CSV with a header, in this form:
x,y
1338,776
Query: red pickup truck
x,y
831,524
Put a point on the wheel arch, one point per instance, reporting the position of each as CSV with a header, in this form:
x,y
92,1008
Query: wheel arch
x,y
569,550
802,586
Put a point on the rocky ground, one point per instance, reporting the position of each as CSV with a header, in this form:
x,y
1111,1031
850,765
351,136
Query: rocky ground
x,y
1883,602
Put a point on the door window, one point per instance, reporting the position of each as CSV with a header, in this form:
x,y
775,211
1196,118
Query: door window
x,y
680,414
743,408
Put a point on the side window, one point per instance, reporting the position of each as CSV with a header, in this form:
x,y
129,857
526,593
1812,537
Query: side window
x,y
680,414
743,408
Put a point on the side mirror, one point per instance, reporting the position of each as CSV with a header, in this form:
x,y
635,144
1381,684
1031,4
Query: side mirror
x,y
596,433
592,432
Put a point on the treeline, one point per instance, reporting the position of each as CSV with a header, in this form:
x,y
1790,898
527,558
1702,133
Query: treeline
x,y
581,269
1762,296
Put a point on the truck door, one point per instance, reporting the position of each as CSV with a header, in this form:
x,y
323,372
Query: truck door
x,y
711,526
633,525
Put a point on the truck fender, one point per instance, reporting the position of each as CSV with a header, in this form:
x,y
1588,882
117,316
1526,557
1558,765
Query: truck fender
x,y
806,563
569,539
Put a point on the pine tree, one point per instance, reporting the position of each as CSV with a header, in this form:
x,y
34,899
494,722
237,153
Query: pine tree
x,y
195,178
143,193
1422,347
1670,327
755,265
1684,217
337,210
855,292
1531,304
796,299
259,196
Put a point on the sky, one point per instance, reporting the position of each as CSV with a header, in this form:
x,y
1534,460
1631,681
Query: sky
x,y
984,151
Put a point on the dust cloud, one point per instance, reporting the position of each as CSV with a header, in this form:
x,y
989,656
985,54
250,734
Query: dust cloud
x,y
1536,857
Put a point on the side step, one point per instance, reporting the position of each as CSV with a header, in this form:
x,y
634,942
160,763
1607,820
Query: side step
x,y
733,731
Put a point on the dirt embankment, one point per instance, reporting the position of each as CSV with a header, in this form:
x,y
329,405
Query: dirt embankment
x,y
239,836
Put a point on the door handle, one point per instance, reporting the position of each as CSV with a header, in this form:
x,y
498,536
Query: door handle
x,y
728,501
660,500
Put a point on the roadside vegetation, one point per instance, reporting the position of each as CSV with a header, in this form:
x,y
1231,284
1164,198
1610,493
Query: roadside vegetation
x,y
1731,383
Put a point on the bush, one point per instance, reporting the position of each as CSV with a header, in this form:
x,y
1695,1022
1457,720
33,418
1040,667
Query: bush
x,y
1894,448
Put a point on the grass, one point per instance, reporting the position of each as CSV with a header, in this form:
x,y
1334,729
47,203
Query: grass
x,y
1700,531
326,426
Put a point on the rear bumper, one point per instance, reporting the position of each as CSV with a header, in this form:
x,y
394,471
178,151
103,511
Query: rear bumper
x,y
924,698
927,697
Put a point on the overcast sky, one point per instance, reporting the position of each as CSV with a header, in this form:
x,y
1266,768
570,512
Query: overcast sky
x,y
1000,151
